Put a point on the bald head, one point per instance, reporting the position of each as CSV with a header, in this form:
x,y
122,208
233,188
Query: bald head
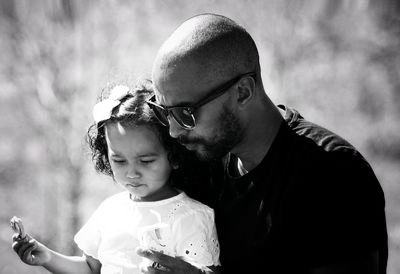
x,y
217,46
203,65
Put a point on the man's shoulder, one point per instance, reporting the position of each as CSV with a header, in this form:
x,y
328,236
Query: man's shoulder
x,y
312,165
325,184
313,146
322,156
319,135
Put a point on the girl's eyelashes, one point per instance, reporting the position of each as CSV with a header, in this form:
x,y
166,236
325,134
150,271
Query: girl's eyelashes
x,y
147,161
118,161
144,161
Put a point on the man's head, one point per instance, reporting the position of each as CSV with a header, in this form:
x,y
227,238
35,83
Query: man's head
x,y
211,59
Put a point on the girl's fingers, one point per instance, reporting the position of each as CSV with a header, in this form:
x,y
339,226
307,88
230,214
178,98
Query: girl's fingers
x,y
27,255
15,237
17,245
23,248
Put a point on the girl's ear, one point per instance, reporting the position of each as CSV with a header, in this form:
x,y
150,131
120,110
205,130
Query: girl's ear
x,y
175,165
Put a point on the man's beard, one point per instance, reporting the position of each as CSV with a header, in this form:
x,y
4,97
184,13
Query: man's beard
x,y
219,145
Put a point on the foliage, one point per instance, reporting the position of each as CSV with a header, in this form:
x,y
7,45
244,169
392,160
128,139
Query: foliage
x,y
337,62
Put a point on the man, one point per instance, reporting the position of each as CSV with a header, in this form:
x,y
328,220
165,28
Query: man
x,y
293,197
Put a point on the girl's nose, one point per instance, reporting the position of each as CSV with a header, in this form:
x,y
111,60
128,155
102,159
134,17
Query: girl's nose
x,y
133,173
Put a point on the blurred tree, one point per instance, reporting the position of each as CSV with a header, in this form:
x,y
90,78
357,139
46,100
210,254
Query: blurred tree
x,y
337,62
41,132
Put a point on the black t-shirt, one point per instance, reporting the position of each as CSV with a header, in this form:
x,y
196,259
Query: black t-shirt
x,y
312,201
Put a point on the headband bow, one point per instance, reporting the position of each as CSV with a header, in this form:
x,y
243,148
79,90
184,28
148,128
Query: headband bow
x,y
102,110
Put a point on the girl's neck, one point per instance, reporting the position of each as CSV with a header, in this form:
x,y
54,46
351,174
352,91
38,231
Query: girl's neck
x,y
163,193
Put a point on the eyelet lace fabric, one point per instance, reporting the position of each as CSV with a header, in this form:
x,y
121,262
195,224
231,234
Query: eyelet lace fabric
x,y
179,226
202,249
174,210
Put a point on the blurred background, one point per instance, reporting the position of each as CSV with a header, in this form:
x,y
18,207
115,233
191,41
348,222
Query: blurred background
x,y
337,62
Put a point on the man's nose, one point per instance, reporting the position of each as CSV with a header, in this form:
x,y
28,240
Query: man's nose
x,y
175,130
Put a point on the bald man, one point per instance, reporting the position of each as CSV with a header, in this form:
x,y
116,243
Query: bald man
x,y
291,196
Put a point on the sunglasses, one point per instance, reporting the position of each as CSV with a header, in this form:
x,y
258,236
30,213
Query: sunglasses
x,y
184,115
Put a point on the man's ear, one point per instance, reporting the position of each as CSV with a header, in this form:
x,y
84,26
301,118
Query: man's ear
x,y
246,89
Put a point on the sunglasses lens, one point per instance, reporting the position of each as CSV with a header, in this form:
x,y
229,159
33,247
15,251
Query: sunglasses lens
x,y
160,114
184,117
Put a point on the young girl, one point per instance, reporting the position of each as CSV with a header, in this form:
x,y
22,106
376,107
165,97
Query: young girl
x,y
129,144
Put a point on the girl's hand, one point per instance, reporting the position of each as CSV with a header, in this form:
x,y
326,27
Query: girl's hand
x,y
30,251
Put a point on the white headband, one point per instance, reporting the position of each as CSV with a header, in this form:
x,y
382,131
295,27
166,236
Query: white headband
x,y
102,110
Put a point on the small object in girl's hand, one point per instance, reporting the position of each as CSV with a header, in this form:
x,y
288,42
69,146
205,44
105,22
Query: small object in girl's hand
x,y
158,266
18,227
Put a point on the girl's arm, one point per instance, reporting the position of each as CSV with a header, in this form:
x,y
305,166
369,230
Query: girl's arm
x,y
33,252
61,264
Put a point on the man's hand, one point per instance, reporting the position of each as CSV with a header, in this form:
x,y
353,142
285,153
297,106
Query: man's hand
x,y
173,265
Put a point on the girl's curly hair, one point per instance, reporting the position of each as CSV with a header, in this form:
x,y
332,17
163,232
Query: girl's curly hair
x,y
132,111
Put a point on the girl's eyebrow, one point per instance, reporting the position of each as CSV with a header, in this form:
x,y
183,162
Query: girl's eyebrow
x,y
150,154
114,153
144,154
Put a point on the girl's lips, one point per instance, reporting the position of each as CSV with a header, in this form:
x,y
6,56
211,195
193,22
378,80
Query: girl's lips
x,y
134,185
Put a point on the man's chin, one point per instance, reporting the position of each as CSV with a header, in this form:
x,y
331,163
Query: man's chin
x,y
205,152
206,155
199,151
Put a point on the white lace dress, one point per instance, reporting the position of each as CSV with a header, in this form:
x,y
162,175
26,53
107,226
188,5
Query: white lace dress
x,y
178,226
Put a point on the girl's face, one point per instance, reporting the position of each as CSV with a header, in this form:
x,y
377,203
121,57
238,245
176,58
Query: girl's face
x,y
139,161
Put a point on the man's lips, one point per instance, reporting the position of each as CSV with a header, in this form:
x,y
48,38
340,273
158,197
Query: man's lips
x,y
189,146
187,143
183,140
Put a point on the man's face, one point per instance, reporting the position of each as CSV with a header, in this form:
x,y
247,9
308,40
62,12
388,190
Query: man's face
x,y
217,128
216,144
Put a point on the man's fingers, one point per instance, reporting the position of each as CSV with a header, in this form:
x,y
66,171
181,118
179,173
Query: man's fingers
x,y
167,263
150,270
147,253
155,270
157,257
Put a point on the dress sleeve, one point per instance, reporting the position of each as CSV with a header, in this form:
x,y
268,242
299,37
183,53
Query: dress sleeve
x,y
196,237
89,236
